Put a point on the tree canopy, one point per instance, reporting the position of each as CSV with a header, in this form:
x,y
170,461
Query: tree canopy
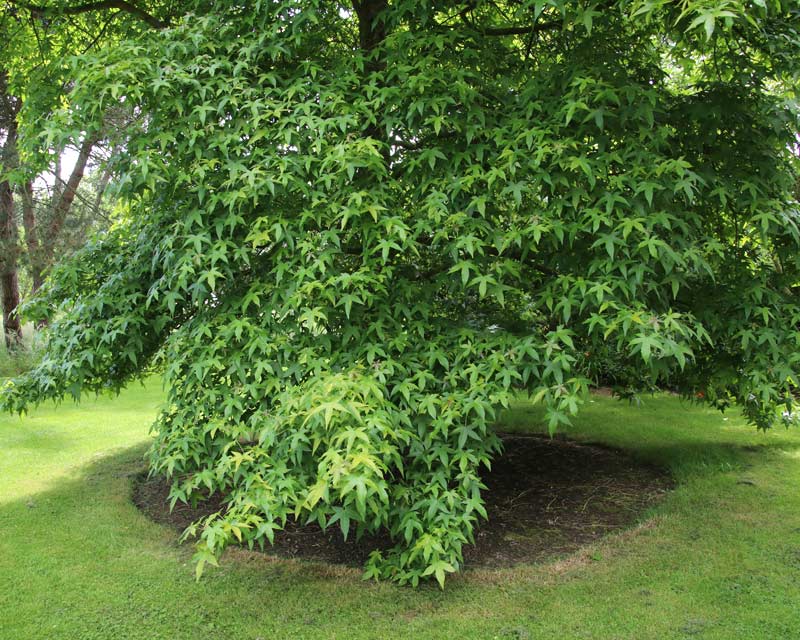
x,y
355,231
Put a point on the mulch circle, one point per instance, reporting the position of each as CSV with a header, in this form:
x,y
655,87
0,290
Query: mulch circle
x,y
546,497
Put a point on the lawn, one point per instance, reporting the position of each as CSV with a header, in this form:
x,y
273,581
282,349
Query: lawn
x,y
718,558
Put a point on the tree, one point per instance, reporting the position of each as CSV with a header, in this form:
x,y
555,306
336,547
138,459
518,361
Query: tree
x,y
24,61
33,82
9,285
356,231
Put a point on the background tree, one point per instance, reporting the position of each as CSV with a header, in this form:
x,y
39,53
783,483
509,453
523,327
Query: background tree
x,y
34,81
58,218
9,283
355,231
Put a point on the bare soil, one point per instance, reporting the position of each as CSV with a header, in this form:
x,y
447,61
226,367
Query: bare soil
x,y
546,498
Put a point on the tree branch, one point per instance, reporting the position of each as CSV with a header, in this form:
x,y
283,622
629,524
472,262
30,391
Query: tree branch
x,y
64,201
520,31
88,7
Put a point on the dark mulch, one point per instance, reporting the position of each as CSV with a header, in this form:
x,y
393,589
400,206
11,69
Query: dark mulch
x,y
547,497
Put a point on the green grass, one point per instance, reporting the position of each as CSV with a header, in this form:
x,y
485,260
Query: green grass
x,y
720,558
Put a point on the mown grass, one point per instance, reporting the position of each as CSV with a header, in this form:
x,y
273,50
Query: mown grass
x,y
719,558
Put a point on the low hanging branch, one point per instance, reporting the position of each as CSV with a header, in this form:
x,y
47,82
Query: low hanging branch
x,y
521,31
121,5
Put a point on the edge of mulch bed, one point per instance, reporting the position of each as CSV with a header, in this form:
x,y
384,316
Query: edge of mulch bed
x,y
547,497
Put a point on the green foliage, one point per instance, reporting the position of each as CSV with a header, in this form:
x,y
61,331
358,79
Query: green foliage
x,y
347,259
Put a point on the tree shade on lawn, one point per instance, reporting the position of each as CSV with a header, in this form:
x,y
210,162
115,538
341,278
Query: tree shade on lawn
x,y
355,232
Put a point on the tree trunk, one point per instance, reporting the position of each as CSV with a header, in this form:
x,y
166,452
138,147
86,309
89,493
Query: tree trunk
x,y
371,33
31,237
62,204
9,250
371,29
58,180
12,327
9,283
101,190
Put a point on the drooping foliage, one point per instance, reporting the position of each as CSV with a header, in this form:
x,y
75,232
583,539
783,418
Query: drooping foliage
x,y
356,231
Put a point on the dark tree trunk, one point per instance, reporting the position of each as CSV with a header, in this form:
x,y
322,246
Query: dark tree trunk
x,y
12,327
371,28
9,250
371,33
9,283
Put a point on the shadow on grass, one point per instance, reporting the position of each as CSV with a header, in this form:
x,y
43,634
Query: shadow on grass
x,y
665,433
90,518
79,560
701,458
